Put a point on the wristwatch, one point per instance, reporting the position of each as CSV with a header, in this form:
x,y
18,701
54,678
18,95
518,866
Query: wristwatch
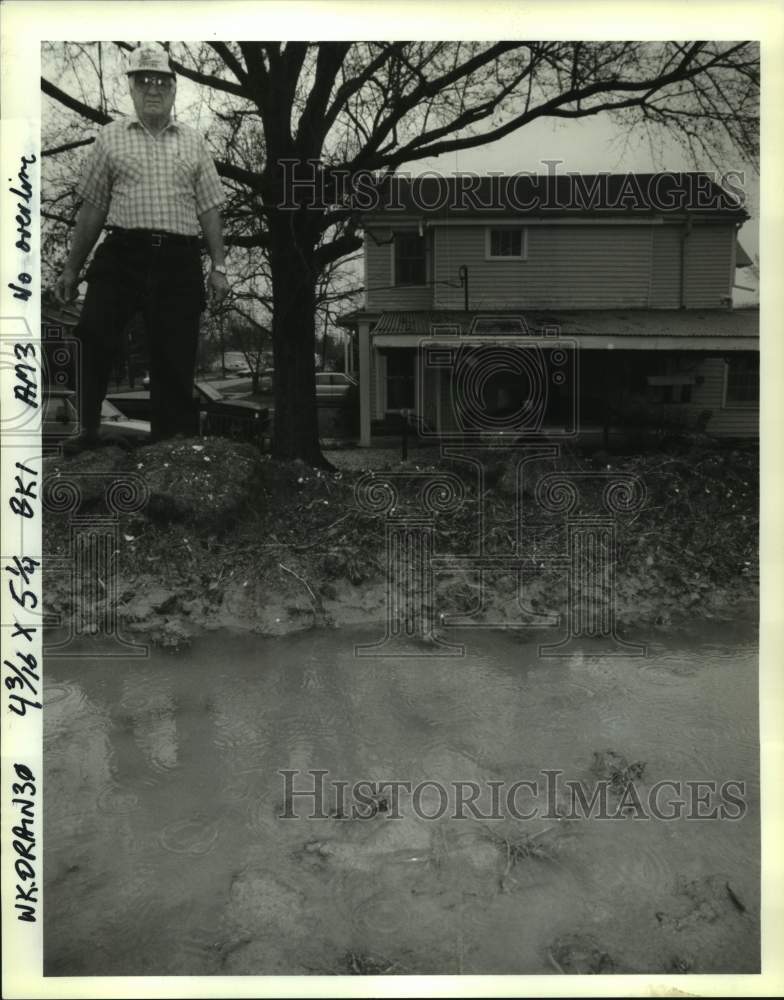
x,y
220,269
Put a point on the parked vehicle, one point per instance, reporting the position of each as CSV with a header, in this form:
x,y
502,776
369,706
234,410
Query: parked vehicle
x,y
114,424
236,418
234,363
61,420
333,386
60,417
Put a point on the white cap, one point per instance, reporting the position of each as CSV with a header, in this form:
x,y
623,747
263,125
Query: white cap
x,y
149,57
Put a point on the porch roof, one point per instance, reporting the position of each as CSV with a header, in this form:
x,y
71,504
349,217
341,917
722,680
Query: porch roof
x,y
587,322
636,329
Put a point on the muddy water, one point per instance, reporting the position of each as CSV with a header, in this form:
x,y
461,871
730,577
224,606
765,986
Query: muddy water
x,y
165,854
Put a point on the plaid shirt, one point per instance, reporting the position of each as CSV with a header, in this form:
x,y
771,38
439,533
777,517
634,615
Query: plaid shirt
x,y
145,182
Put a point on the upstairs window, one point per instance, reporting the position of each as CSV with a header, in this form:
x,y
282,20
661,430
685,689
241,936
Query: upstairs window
x,y
742,380
506,243
410,262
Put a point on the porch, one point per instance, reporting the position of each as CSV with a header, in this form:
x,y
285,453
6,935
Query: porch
x,y
565,376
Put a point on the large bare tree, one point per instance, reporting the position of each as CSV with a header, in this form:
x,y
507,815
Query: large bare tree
x,y
377,106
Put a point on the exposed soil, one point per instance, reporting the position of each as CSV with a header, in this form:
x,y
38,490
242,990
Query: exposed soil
x,y
231,538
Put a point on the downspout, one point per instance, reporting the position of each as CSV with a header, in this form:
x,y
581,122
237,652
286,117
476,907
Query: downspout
x,y
684,237
462,274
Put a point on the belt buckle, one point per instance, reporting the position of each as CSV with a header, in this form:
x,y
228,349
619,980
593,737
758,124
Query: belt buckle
x,y
157,239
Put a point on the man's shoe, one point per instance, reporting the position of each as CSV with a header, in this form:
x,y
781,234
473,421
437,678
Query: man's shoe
x,y
85,441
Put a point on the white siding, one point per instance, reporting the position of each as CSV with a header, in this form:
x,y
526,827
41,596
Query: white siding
x,y
666,267
569,266
709,252
727,421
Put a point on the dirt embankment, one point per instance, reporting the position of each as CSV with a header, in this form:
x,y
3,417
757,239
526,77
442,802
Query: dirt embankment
x,y
211,534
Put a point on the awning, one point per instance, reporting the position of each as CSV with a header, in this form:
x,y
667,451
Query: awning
x,y
586,341
599,327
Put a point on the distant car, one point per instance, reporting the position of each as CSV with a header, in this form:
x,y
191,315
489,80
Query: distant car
x,y
61,420
60,417
236,418
244,419
114,424
333,386
234,362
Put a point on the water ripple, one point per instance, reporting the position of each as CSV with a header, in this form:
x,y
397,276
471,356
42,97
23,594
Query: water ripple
x,y
115,801
381,913
54,693
189,836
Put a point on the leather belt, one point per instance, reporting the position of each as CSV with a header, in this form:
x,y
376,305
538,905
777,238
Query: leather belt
x,y
150,238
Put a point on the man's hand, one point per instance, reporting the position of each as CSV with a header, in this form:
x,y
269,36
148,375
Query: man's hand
x,y
66,286
217,288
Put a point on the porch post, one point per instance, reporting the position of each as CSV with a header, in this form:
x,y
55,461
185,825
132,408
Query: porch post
x,y
364,384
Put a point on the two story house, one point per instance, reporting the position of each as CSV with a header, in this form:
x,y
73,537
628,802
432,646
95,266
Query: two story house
x,y
559,303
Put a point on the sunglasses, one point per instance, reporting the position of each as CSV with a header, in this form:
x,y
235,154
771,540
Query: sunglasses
x,y
146,81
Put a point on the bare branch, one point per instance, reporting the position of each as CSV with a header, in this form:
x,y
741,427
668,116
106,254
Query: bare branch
x,y
66,146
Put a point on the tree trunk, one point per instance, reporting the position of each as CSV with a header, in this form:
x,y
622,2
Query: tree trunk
x,y
294,273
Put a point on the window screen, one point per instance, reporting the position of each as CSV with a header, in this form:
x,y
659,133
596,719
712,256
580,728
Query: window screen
x,y
743,379
506,242
410,268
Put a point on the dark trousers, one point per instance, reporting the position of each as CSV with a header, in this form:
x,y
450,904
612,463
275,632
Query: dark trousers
x,y
131,274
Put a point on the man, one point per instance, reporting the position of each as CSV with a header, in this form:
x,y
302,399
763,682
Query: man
x,y
153,181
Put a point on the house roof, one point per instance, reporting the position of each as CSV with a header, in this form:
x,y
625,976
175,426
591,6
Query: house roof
x,y
709,323
527,195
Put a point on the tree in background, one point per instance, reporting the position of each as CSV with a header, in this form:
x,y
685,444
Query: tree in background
x,y
276,109
253,340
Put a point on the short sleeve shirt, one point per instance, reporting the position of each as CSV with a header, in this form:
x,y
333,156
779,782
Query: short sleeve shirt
x,y
162,183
